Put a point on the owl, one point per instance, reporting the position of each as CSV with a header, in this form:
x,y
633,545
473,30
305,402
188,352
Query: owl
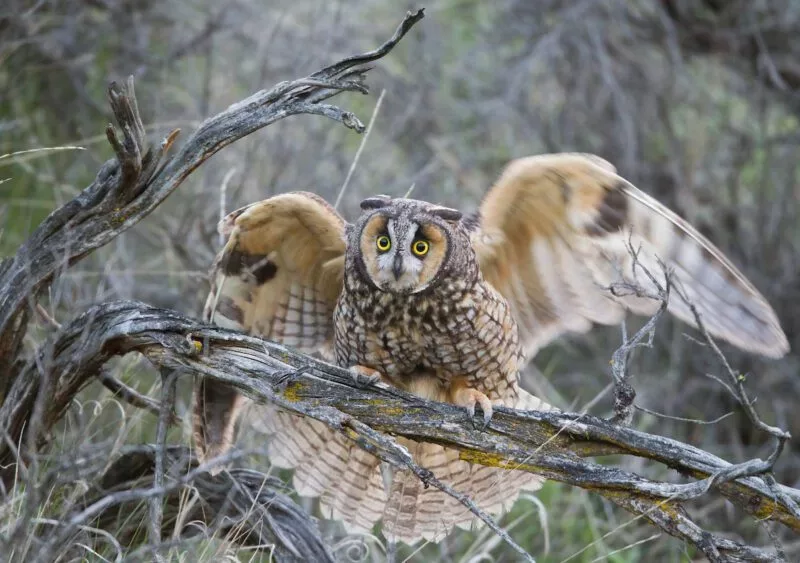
x,y
449,307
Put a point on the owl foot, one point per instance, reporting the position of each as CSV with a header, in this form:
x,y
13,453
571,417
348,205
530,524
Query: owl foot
x,y
468,397
364,376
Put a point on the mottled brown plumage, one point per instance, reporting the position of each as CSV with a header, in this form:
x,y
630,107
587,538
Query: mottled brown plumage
x,y
449,308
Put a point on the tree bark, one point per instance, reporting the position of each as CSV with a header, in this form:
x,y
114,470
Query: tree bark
x,y
35,392
555,445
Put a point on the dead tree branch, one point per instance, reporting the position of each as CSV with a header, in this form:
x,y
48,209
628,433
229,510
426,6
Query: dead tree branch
x,y
127,188
130,186
36,392
551,444
250,505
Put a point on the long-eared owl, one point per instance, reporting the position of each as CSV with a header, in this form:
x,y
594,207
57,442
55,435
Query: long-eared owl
x,y
450,307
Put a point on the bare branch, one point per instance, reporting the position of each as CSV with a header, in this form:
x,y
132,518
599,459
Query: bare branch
x,y
141,176
132,396
224,504
550,444
169,379
624,393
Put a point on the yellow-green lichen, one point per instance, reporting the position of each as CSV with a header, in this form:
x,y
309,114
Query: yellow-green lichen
x,y
293,391
489,459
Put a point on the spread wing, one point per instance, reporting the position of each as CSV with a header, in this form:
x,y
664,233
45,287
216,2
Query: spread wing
x,y
278,277
556,231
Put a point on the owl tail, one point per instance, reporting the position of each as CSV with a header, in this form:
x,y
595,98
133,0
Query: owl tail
x,y
327,465
353,489
414,512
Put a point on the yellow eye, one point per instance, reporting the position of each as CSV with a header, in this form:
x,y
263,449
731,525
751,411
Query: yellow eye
x,y
384,243
420,247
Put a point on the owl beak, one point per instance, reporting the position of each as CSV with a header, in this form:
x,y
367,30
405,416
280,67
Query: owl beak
x,y
397,266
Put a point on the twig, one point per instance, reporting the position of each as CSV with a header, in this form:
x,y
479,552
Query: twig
x,y
47,317
328,394
624,393
223,190
169,379
360,149
683,419
346,64
132,396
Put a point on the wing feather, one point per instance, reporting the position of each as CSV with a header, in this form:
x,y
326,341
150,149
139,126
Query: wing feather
x,y
556,231
278,276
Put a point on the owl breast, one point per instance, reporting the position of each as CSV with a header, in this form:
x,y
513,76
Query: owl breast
x,y
457,330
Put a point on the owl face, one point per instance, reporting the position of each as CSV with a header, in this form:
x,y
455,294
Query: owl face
x,y
404,245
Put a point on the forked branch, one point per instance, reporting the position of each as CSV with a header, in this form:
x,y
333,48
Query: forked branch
x,y
142,175
552,444
36,392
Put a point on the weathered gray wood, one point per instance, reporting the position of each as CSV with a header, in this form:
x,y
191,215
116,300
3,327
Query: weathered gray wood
x,y
34,394
250,504
552,444
141,176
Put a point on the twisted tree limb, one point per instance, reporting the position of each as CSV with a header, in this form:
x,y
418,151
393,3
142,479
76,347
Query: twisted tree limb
x,y
552,444
36,392
243,502
130,186
34,395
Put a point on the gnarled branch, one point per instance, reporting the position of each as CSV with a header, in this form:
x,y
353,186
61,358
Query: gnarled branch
x,y
142,175
552,444
34,394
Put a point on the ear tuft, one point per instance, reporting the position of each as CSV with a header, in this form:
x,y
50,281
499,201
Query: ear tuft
x,y
446,213
375,202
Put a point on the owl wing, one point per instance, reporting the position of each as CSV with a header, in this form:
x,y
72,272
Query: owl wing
x,y
556,231
278,276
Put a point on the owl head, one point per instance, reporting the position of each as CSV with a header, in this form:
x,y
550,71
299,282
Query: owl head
x,y
407,246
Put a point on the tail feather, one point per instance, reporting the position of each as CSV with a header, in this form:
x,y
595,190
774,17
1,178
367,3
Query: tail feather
x,y
358,496
216,409
414,512
351,487
327,465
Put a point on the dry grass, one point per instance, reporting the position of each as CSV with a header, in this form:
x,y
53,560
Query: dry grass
x,y
478,83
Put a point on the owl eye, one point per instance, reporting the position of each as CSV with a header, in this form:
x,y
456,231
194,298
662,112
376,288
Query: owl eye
x,y
420,247
384,243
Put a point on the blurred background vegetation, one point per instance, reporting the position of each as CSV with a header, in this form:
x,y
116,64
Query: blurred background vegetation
x,y
695,101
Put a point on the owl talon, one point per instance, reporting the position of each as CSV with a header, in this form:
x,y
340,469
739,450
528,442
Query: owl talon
x,y
364,376
468,397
